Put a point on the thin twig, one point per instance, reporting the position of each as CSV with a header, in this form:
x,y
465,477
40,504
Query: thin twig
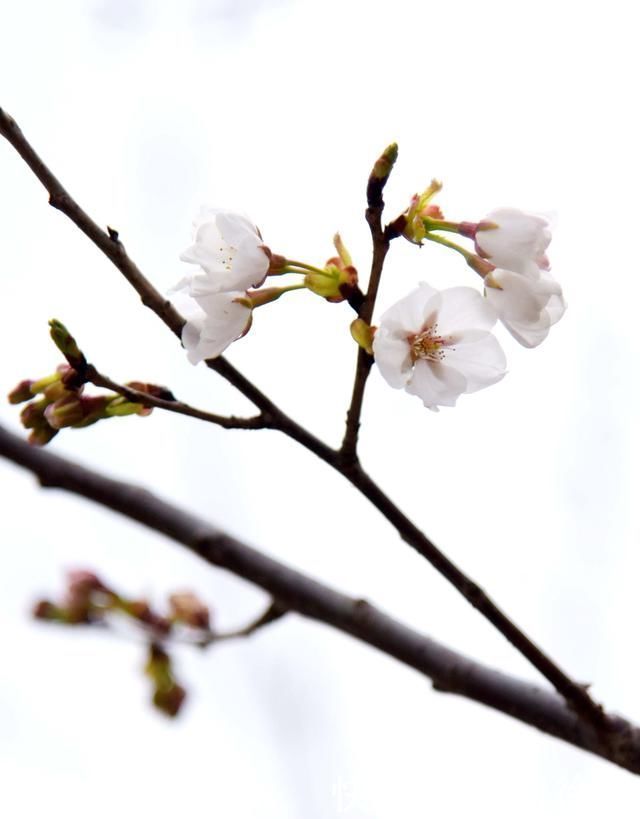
x,y
107,241
273,612
375,207
275,418
179,407
449,671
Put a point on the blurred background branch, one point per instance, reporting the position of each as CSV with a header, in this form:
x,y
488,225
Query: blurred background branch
x,y
293,591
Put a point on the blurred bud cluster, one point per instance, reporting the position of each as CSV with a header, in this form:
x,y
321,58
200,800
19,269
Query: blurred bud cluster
x,y
88,600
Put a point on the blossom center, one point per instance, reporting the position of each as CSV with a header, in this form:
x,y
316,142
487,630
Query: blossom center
x,y
227,252
427,345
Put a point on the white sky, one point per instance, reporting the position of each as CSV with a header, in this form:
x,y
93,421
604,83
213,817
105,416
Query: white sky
x,y
148,109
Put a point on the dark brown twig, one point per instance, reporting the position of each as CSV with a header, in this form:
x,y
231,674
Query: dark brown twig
x,y
449,671
375,206
148,400
274,611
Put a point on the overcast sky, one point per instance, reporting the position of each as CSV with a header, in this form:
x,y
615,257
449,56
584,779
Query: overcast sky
x,y
146,110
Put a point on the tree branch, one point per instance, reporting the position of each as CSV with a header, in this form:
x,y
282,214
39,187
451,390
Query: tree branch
x,y
292,590
375,206
274,418
148,400
107,241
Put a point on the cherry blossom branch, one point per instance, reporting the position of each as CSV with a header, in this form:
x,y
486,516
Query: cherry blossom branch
x,y
108,241
375,206
147,400
293,591
274,418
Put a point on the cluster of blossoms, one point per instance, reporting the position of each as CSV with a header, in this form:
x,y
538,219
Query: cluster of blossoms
x,y
219,298
435,344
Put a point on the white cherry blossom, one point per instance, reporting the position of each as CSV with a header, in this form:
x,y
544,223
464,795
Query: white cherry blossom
x,y
528,303
230,252
213,322
438,345
517,239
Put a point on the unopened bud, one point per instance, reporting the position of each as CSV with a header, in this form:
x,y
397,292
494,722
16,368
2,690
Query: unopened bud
x,y
168,695
66,343
169,700
385,162
32,416
141,611
187,608
56,390
362,333
21,392
82,579
152,389
45,610
119,406
379,175
258,298
65,412
42,435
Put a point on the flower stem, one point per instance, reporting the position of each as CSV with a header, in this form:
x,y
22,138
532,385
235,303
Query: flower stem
x,y
481,266
292,267
432,237
441,224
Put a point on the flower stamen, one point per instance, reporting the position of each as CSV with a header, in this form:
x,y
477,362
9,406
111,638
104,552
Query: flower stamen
x,y
428,345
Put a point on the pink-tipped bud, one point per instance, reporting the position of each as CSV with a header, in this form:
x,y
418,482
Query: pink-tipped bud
x,y
154,390
65,412
32,416
45,610
21,392
187,608
85,581
42,436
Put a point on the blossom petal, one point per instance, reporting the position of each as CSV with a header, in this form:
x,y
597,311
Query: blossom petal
x,y
462,308
217,322
438,345
408,315
519,237
530,335
556,307
393,358
482,362
230,251
436,384
518,297
527,307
